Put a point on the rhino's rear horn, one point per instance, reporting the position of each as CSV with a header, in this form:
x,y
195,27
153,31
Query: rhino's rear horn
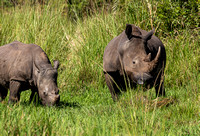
x,y
148,58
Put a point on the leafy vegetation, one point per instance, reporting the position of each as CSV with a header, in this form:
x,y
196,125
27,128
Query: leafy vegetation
x,y
77,35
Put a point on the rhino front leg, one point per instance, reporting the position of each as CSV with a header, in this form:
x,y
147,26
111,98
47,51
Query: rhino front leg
x,y
3,93
160,90
34,96
112,85
14,92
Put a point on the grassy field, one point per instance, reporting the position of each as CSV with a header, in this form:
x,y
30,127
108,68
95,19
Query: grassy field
x,y
86,106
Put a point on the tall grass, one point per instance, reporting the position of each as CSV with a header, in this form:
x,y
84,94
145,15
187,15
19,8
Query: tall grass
x,y
86,106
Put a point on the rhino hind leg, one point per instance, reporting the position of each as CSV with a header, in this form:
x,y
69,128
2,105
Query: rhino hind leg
x,y
14,92
113,85
3,93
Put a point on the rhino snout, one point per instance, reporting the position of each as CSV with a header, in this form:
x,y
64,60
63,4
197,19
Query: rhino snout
x,y
141,78
51,99
54,98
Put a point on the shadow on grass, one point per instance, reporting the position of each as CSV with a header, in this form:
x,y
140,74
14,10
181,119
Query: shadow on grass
x,y
61,104
158,102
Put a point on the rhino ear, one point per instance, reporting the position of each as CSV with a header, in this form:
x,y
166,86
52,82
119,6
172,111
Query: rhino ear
x,y
38,68
149,35
128,31
56,64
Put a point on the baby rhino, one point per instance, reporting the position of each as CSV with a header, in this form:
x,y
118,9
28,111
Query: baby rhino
x,y
26,66
134,57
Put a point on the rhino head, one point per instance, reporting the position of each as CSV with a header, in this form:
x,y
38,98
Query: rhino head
x,y
47,84
135,59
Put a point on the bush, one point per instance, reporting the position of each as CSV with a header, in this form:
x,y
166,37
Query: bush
x,y
178,14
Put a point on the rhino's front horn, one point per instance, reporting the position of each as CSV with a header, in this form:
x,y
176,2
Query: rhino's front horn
x,y
154,62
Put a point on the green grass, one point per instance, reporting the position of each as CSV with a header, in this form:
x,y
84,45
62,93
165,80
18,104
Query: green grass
x,y
86,106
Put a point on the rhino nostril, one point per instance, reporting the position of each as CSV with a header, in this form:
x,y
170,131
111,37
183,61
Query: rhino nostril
x,y
57,92
57,98
140,81
45,93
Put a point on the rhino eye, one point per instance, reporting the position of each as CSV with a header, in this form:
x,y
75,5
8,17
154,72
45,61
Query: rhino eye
x,y
133,62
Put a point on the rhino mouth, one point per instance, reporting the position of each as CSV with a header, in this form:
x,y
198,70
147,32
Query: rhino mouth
x,y
140,82
142,78
51,100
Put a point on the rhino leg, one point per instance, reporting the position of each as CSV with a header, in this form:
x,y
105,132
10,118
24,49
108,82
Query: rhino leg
x,y
160,90
113,85
34,96
3,93
14,91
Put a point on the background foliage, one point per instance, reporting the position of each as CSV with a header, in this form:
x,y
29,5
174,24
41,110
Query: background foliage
x,y
76,33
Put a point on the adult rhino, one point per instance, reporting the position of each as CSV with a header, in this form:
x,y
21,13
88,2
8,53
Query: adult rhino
x,y
26,66
136,57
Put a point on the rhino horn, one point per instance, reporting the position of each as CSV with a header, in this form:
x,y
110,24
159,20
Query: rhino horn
x,y
154,62
148,58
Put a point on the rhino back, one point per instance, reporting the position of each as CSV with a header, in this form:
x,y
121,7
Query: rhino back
x,y
16,61
111,60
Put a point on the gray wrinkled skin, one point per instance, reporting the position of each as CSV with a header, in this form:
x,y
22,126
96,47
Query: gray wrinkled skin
x,y
136,57
26,66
